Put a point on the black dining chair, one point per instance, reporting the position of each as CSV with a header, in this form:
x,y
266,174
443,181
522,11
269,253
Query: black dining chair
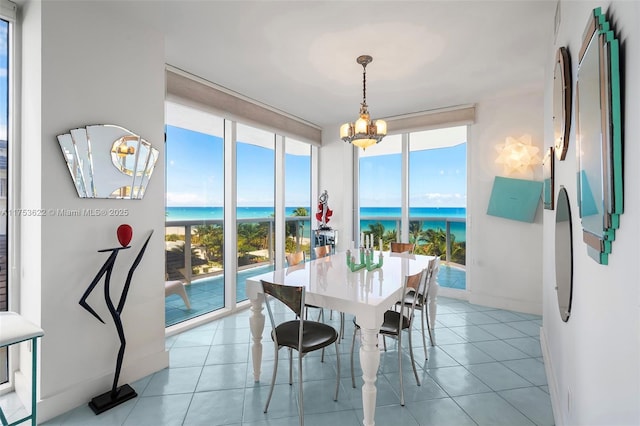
x,y
395,322
301,335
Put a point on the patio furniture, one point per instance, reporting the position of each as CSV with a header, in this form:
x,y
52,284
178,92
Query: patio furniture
x,y
177,287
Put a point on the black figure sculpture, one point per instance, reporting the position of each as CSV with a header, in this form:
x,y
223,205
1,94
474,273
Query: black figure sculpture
x,y
117,395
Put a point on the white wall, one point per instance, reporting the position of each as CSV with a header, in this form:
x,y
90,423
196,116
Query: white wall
x,y
504,256
595,356
95,68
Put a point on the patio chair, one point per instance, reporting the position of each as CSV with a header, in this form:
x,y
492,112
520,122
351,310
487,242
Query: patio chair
x,y
301,335
177,287
395,322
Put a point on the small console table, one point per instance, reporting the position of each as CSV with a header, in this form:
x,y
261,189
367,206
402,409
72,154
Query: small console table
x,y
16,329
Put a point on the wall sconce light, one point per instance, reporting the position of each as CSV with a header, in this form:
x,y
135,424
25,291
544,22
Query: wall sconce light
x,y
518,155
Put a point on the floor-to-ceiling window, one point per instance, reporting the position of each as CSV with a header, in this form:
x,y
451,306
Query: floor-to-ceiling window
x,y
297,194
255,195
5,77
438,198
237,200
380,189
431,188
195,211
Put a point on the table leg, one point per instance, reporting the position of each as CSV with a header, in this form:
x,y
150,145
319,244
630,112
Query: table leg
x,y
369,361
256,322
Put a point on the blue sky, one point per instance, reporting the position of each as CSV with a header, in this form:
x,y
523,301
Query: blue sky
x,y
195,175
437,178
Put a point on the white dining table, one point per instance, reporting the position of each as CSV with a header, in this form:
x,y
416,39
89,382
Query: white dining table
x,y
330,284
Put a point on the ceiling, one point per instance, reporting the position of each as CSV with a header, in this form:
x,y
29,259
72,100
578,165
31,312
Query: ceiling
x,y
300,56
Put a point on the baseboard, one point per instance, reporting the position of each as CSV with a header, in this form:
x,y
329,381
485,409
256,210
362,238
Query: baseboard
x,y
82,393
551,381
453,293
505,303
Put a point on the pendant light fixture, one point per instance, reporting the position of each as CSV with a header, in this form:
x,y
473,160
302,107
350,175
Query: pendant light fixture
x,y
364,132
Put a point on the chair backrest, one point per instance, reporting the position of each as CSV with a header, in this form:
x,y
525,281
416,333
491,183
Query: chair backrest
x,y
290,296
402,247
412,284
434,268
322,251
295,258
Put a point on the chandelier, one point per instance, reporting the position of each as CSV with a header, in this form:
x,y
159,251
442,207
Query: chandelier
x,y
364,132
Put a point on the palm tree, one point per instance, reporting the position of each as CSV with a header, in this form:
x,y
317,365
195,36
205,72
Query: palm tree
x,y
415,231
251,236
376,230
299,230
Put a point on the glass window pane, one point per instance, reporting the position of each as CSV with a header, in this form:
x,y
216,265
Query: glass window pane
x,y
438,198
297,196
255,171
4,220
195,212
380,187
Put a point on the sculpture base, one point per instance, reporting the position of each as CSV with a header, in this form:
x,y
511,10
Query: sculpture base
x,y
104,402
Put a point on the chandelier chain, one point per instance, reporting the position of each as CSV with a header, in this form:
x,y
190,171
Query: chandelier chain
x,y
364,86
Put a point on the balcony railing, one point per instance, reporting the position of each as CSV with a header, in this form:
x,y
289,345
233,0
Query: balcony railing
x,y
186,260
428,223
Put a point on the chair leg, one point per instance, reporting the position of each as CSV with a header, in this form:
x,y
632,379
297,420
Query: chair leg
x,y
424,342
433,308
413,363
342,325
384,343
353,344
431,337
301,400
400,368
338,369
273,380
290,367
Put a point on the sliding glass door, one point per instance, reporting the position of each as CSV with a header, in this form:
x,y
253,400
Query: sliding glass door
x,y
194,213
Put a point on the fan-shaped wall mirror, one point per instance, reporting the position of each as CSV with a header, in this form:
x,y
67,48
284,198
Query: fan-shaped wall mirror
x,y
599,137
562,103
564,254
107,161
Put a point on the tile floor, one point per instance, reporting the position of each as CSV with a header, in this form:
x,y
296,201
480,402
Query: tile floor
x,y
486,369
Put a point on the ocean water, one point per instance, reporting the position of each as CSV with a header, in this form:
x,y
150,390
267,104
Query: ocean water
x,y
368,215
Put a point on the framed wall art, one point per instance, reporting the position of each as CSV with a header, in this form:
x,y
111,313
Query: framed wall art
x,y
599,137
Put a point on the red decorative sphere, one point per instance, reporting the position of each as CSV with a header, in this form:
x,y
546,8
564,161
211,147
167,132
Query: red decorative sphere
x,y
125,233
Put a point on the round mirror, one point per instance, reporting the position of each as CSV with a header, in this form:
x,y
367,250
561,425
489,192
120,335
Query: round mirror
x,y
564,254
561,103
